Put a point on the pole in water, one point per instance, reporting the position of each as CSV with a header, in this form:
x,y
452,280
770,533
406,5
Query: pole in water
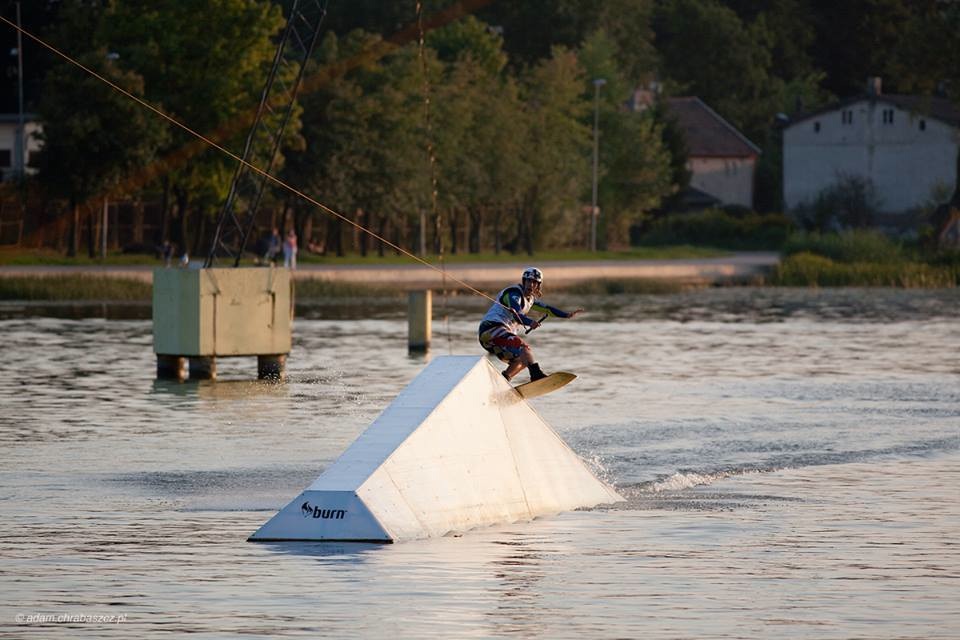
x,y
419,319
171,367
272,367
203,367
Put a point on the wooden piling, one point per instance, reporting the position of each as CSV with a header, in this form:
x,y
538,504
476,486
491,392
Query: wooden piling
x,y
203,368
273,367
419,318
171,367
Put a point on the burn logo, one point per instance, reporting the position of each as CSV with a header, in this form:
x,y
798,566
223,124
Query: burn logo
x,y
307,511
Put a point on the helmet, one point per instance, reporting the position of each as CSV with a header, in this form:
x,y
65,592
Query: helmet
x,y
532,273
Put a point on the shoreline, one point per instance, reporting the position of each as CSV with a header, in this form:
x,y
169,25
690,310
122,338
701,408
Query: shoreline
x,y
128,283
731,269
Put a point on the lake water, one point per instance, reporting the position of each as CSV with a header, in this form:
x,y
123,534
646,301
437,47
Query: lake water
x,y
791,461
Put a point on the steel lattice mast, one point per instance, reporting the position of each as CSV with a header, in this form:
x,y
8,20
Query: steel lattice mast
x,y
277,102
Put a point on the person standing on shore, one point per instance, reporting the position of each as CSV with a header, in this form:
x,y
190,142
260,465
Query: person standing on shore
x,y
167,250
273,247
507,318
290,250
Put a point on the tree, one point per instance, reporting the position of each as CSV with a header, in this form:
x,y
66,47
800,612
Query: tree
x,y
928,63
856,38
628,24
730,68
204,63
469,38
365,139
93,134
555,151
533,28
636,165
791,30
38,18
478,127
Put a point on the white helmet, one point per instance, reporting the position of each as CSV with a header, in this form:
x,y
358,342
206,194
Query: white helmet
x,y
532,273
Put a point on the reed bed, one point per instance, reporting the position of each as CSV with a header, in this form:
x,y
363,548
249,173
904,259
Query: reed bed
x,y
74,287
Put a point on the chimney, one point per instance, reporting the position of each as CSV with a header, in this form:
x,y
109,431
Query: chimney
x,y
874,86
644,97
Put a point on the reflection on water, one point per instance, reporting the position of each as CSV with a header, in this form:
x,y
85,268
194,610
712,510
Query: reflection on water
x,y
221,389
790,460
741,304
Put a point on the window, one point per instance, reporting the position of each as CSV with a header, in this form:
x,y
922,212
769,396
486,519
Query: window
x,y
6,156
923,125
816,127
846,117
888,116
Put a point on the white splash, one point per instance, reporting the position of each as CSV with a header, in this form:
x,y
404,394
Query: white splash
x,y
679,481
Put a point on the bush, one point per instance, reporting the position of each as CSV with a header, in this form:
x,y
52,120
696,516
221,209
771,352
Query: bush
x,y
315,289
73,287
715,228
947,258
847,247
850,202
808,270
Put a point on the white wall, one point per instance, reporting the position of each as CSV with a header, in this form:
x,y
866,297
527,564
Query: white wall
x,y
905,163
730,180
8,136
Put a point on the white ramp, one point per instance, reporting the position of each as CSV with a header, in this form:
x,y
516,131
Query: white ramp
x,y
457,449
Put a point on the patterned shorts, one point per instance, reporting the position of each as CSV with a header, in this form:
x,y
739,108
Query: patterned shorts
x,y
501,343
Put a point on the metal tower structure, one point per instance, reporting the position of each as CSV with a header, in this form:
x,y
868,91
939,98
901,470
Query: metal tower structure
x,y
276,106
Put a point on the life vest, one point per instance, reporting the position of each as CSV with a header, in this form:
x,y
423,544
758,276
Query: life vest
x,y
500,311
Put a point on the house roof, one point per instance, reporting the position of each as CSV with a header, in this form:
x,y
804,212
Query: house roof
x,y
706,133
940,109
693,198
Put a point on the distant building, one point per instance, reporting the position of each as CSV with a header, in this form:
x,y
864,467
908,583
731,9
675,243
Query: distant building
x,y
8,143
721,160
906,146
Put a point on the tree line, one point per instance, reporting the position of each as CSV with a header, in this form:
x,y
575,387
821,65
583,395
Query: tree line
x,y
481,139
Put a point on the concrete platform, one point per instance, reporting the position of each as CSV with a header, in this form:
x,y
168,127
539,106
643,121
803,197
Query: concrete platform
x,y
457,449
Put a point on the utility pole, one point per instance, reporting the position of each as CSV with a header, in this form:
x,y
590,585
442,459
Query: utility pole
x,y
103,238
19,163
594,211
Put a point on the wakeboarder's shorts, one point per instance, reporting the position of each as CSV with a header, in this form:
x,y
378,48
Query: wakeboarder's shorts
x,y
497,340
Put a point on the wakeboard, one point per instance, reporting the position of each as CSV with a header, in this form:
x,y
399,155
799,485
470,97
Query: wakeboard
x,y
545,385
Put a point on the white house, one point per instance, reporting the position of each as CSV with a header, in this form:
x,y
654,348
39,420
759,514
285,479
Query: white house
x,y
905,145
9,123
721,160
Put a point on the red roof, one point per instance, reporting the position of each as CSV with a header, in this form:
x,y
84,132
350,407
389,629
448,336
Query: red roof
x,y
707,134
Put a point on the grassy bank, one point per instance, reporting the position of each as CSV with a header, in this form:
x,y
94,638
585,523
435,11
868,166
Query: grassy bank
x,y
98,288
810,270
619,287
74,287
673,252
34,257
862,259
313,289
46,257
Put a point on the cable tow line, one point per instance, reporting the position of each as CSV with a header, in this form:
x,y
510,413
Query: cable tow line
x,y
277,181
